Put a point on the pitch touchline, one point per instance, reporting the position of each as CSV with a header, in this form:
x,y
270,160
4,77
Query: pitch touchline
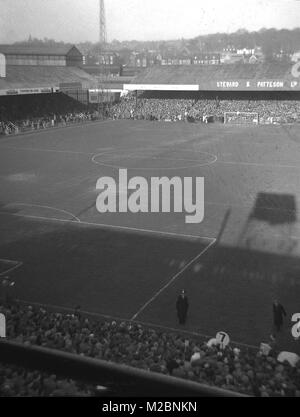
x,y
126,228
213,241
17,264
107,226
109,317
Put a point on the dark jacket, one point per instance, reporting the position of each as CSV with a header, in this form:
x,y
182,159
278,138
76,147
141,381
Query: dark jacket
x,y
278,313
182,305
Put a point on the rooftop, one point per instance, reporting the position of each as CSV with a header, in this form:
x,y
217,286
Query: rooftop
x,y
19,76
17,49
195,74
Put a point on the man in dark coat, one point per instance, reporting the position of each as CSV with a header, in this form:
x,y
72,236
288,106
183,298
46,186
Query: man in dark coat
x,y
182,306
278,314
6,284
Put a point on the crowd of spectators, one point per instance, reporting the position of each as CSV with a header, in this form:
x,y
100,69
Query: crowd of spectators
x,y
21,382
269,111
152,109
27,113
39,112
246,370
46,122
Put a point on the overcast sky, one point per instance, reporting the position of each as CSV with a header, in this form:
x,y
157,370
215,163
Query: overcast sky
x,y
77,20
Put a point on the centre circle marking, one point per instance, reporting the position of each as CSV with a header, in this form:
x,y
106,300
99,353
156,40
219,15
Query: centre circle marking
x,y
210,160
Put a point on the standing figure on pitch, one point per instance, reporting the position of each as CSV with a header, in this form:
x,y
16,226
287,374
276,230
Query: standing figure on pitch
x,y
7,283
182,306
278,315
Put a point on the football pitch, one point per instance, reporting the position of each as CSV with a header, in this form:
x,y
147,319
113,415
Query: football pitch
x,y
62,252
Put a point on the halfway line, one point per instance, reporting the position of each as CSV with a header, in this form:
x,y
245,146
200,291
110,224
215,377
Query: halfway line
x,y
255,164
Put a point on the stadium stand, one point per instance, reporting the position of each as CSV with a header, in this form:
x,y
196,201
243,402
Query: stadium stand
x,y
245,370
270,92
237,369
22,77
115,380
41,111
269,111
31,66
16,381
207,76
32,76
21,52
174,93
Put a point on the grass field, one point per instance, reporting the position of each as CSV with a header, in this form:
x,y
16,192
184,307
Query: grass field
x,y
61,251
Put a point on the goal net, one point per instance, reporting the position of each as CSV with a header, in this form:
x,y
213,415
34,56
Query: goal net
x,y
241,117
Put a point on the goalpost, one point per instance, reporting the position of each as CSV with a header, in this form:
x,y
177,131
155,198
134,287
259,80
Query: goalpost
x,y
241,117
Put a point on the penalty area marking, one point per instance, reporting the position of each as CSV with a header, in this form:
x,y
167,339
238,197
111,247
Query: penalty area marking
x,y
12,265
76,219
174,278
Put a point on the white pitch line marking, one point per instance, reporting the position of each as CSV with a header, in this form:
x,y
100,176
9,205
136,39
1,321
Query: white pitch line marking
x,y
51,129
16,265
47,150
158,157
213,241
107,226
114,318
132,156
258,164
44,207
117,227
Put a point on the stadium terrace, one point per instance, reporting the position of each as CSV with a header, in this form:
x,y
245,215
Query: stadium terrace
x,y
61,252
242,77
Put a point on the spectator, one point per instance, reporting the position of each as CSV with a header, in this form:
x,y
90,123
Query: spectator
x,y
278,315
182,306
40,112
269,111
17,381
243,370
6,283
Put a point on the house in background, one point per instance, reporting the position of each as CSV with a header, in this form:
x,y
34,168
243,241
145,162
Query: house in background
x,y
181,57
109,58
243,55
207,59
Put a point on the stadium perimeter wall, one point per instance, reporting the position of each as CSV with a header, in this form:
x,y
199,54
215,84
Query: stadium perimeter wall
x,y
131,381
221,95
